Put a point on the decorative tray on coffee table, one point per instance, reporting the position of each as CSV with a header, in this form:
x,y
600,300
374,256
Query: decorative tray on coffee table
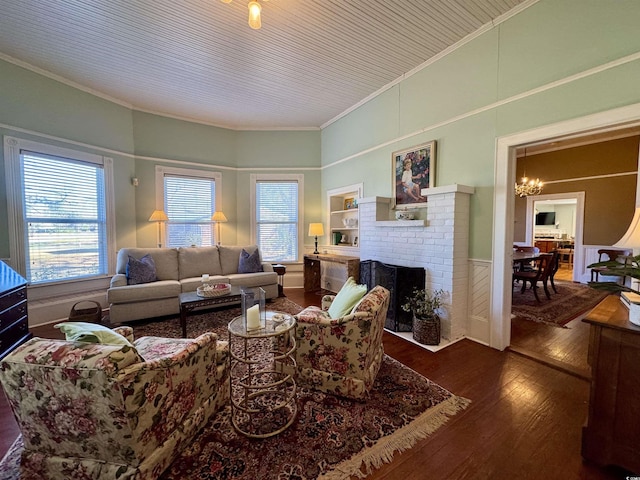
x,y
213,290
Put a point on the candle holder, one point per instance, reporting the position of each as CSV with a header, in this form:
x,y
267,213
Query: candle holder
x,y
205,279
254,314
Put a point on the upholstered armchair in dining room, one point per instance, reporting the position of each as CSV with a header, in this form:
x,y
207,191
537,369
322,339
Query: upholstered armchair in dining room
x,y
112,411
343,355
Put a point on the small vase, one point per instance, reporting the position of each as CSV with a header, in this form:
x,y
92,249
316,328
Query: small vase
x,y
427,330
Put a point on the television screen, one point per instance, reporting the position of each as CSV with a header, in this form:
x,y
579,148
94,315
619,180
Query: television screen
x,y
546,218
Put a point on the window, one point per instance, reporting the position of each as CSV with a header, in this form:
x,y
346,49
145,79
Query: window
x,y
189,200
60,230
277,216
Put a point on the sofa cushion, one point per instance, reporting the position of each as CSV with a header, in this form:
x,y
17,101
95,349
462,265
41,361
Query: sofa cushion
x,y
141,271
194,261
165,259
259,279
230,257
249,262
91,333
144,292
347,297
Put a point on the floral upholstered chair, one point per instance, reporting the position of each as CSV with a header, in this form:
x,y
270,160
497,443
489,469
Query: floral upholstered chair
x,y
104,411
342,356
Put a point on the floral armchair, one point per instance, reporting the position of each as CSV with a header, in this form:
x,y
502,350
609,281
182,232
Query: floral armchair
x,y
103,411
342,356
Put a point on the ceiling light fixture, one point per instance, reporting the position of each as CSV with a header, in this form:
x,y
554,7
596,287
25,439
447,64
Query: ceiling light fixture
x,y
255,9
528,187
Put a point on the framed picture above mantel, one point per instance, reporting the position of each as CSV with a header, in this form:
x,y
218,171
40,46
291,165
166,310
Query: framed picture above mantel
x,y
413,169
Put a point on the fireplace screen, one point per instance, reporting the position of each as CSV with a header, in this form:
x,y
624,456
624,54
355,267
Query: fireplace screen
x,y
400,281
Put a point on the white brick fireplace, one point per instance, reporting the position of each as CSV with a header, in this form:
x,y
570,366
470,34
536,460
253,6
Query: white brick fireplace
x,y
439,244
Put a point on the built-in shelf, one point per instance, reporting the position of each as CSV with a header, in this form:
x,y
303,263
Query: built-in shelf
x,y
401,223
343,207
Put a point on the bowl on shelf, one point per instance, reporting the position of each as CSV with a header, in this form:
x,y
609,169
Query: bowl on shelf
x,y
404,215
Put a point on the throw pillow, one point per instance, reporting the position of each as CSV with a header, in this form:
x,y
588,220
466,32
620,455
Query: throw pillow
x,y
91,333
347,297
141,271
249,263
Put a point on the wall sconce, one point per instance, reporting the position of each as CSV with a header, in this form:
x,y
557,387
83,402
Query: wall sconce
x,y
218,218
160,217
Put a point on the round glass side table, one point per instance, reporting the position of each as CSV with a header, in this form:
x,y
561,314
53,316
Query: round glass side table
x,y
263,390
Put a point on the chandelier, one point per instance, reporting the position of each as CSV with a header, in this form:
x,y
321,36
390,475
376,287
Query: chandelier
x,y
254,13
528,187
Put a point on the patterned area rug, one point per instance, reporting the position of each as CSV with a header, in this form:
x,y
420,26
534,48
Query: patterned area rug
x,y
332,438
572,300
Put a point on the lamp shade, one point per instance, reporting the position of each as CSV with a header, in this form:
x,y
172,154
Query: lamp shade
x,y
218,217
316,230
158,216
631,239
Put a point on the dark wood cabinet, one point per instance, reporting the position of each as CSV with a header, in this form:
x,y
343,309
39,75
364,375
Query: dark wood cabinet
x,y
612,433
313,274
14,325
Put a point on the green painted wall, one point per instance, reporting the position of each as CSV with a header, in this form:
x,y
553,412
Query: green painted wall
x,y
487,89
34,107
41,109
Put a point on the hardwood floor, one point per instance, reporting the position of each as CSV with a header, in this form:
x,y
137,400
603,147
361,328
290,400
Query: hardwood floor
x,y
525,420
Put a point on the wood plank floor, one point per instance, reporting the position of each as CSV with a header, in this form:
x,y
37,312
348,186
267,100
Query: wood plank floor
x,y
524,421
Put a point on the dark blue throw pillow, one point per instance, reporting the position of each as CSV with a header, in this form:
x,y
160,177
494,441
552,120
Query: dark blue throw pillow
x,y
141,271
249,263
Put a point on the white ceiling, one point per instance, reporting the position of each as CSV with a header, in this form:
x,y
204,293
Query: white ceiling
x,y
199,60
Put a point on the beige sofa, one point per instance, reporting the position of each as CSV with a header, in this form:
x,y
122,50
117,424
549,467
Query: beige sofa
x,y
180,270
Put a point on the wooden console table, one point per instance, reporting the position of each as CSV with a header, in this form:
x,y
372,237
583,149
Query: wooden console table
x,y
612,433
312,269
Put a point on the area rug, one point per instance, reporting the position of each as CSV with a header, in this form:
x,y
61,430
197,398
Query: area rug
x,y
332,437
572,300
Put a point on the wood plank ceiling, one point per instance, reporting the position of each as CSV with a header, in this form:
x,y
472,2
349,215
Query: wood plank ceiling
x,y
199,60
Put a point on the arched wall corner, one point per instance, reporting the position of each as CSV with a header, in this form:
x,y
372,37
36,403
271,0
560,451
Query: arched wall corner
x,y
503,204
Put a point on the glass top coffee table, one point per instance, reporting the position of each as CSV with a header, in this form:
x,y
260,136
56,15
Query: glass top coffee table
x,y
189,301
263,390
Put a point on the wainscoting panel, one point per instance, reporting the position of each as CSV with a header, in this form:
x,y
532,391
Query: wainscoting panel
x,y
479,300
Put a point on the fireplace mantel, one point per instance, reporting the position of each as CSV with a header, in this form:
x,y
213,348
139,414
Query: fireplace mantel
x,y
439,243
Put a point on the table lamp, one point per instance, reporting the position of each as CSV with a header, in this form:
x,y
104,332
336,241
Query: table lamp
x,y
158,216
218,217
316,230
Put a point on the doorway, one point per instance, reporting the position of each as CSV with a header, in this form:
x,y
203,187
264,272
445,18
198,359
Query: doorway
x,y
502,248
556,222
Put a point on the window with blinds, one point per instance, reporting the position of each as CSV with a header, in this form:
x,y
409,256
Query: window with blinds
x,y
189,203
64,218
277,220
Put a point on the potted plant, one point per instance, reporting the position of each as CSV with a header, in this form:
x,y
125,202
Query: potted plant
x,y
629,268
424,306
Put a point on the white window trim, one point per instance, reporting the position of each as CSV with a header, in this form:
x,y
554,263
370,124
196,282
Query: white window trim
x,y
15,208
276,177
185,172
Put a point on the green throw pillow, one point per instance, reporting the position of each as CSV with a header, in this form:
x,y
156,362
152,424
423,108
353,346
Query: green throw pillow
x,y
347,297
91,333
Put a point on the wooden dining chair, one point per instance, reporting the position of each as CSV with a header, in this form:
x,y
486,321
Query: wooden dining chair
x,y
604,255
540,273
553,269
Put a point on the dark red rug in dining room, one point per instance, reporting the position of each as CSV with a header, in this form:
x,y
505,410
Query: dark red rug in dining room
x,y
572,300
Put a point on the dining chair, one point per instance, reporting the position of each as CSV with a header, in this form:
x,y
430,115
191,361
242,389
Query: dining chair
x,y
553,269
604,255
540,272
